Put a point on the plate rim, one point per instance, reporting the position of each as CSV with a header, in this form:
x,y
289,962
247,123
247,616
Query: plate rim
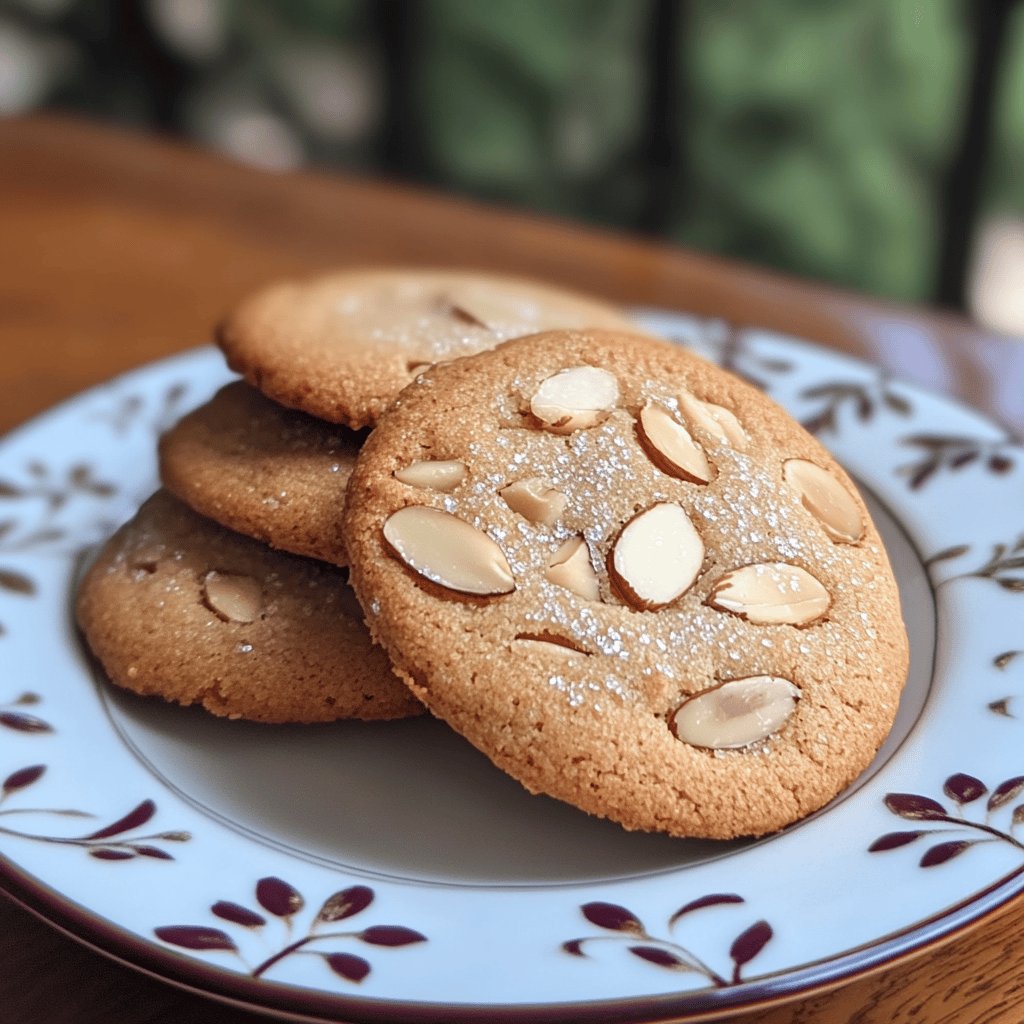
x,y
321,1007
260,994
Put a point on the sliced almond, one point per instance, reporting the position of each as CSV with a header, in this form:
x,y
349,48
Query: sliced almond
x,y
574,399
433,474
670,447
448,551
826,499
535,499
714,420
656,558
232,597
547,645
772,593
736,713
570,568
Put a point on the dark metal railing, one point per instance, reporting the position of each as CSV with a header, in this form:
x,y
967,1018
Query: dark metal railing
x,y
120,43
961,192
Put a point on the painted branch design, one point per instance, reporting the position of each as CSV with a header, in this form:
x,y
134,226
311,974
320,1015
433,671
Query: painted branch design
x,y
112,842
948,453
283,901
1002,662
1005,566
729,347
55,491
864,398
131,410
22,721
627,930
963,790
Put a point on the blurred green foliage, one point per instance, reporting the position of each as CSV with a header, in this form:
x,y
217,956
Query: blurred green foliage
x,y
812,135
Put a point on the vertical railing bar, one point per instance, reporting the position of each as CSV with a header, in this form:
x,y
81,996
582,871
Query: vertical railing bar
x,y
662,149
394,24
960,193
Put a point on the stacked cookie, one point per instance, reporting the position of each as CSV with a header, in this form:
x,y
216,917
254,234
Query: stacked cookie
x,y
627,577
228,589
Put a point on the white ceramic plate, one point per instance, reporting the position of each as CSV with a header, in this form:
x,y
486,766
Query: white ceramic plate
x,y
388,871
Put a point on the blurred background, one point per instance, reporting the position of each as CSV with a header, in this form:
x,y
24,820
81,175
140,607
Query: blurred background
x,y
875,144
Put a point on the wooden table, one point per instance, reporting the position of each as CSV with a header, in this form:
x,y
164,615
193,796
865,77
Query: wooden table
x,y
115,250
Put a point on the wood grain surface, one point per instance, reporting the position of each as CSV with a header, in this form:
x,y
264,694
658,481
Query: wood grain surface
x,y
116,249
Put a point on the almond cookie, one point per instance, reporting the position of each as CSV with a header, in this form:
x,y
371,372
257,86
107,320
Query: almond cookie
x,y
179,607
642,588
341,346
263,470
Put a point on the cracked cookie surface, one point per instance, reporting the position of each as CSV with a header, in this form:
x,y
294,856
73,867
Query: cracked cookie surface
x,y
669,622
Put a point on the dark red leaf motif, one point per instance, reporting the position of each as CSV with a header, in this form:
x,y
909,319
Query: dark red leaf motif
x,y
964,788
942,852
894,840
346,903
829,390
914,807
947,553
613,917
16,583
1005,792
23,777
277,896
135,818
714,900
24,723
1000,464
9,490
963,459
237,914
937,440
1018,814
106,853
348,966
660,957
923,475
28,697
574,946
391,935
864,408
190,936
152,851
749,944
897,403
1001,707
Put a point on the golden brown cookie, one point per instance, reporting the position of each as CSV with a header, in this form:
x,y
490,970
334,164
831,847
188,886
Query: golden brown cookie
x,y
271,473
179,607
647,591
341,346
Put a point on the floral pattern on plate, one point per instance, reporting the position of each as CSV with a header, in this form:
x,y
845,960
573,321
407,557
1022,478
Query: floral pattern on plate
x,y
284,902
479,875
